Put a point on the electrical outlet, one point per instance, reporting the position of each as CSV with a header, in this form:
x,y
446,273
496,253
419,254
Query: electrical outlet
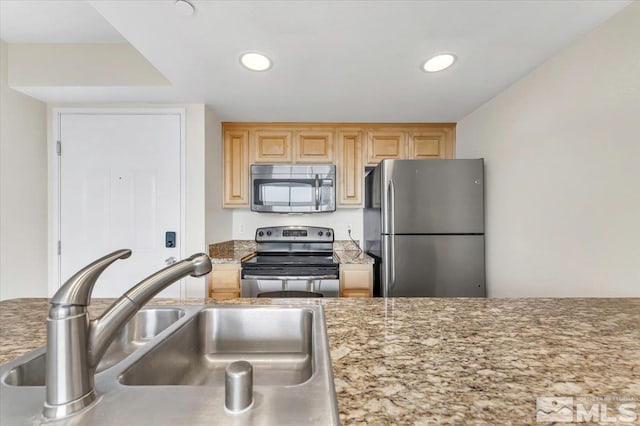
x,y
241,228
348,227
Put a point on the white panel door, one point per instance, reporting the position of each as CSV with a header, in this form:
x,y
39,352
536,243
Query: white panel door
x,y
119,188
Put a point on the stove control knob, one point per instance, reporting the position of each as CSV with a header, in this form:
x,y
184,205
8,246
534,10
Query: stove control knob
x,y
268,233
260,234
320,234
328,234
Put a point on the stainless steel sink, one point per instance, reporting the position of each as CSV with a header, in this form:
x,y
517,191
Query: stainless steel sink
x,y
143,327
31,373
139,331
177,377
277,342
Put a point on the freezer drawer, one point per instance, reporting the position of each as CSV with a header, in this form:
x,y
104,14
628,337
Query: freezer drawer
x,y
433,266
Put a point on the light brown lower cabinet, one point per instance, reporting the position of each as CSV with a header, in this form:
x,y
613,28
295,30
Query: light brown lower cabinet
x,y
224,281
356,280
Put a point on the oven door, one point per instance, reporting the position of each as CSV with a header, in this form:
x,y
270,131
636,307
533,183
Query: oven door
x,y
252,285
292,189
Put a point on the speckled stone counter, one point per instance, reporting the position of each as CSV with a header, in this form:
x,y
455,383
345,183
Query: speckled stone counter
x,y
352,256
346,251
232,251
445,361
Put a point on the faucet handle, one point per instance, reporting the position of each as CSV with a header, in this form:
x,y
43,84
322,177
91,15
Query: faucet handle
x,y
77,289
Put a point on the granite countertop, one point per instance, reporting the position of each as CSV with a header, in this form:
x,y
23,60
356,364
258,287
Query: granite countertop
x,y
452,361
352,256
346,251
234,251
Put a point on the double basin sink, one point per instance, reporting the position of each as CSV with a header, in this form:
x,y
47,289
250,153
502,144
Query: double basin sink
x,y
167,366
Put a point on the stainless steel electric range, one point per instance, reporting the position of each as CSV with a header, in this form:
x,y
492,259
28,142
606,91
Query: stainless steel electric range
x,y
291,260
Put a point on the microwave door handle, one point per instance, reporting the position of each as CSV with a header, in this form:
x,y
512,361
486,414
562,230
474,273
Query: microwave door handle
x,y
317,192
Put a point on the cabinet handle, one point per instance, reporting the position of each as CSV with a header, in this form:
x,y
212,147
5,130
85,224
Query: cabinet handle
x,y
392,219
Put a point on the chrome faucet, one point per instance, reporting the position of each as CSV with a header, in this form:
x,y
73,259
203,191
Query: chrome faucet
x,y
76,344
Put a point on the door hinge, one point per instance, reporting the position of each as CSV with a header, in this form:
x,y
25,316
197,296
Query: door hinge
x,y
59,148
59,248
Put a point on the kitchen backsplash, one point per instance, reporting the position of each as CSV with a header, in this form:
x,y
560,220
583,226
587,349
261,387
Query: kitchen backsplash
x,y
246,222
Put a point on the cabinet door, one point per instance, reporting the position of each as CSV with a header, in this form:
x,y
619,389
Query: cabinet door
x,y
236,168
431,144
383,144
356,280
350,169
224,281
271,146
314,146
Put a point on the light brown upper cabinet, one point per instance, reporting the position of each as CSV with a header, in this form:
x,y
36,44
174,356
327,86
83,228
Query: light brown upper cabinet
x,y
236,168
314,146
349,146
431,143
383,144
350,168
271,146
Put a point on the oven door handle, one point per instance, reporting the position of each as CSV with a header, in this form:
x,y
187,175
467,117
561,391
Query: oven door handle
x,y
317,192
291,278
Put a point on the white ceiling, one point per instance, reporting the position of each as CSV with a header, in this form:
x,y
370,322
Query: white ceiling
x,y
52,21
348,61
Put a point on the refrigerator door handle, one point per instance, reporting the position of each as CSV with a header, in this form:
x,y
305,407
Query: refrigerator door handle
x,y
388,265
392,262
317,192
391,195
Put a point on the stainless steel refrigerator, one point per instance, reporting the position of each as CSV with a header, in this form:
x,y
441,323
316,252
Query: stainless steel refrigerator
x,y
424,223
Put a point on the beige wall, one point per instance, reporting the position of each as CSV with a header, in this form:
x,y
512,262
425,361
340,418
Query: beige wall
x,y
23,191
219,221
245,222
77,65
195,192
562,150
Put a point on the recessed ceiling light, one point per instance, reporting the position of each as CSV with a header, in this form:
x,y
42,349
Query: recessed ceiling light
x,y
439,62
255,61
184,7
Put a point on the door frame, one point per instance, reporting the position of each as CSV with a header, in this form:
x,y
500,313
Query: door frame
x,y
54,282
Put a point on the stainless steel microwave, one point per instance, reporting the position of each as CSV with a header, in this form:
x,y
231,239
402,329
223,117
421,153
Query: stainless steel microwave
x,y
293,188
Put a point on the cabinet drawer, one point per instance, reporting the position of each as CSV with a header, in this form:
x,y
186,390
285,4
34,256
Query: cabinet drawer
x,y
224,294
356,293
